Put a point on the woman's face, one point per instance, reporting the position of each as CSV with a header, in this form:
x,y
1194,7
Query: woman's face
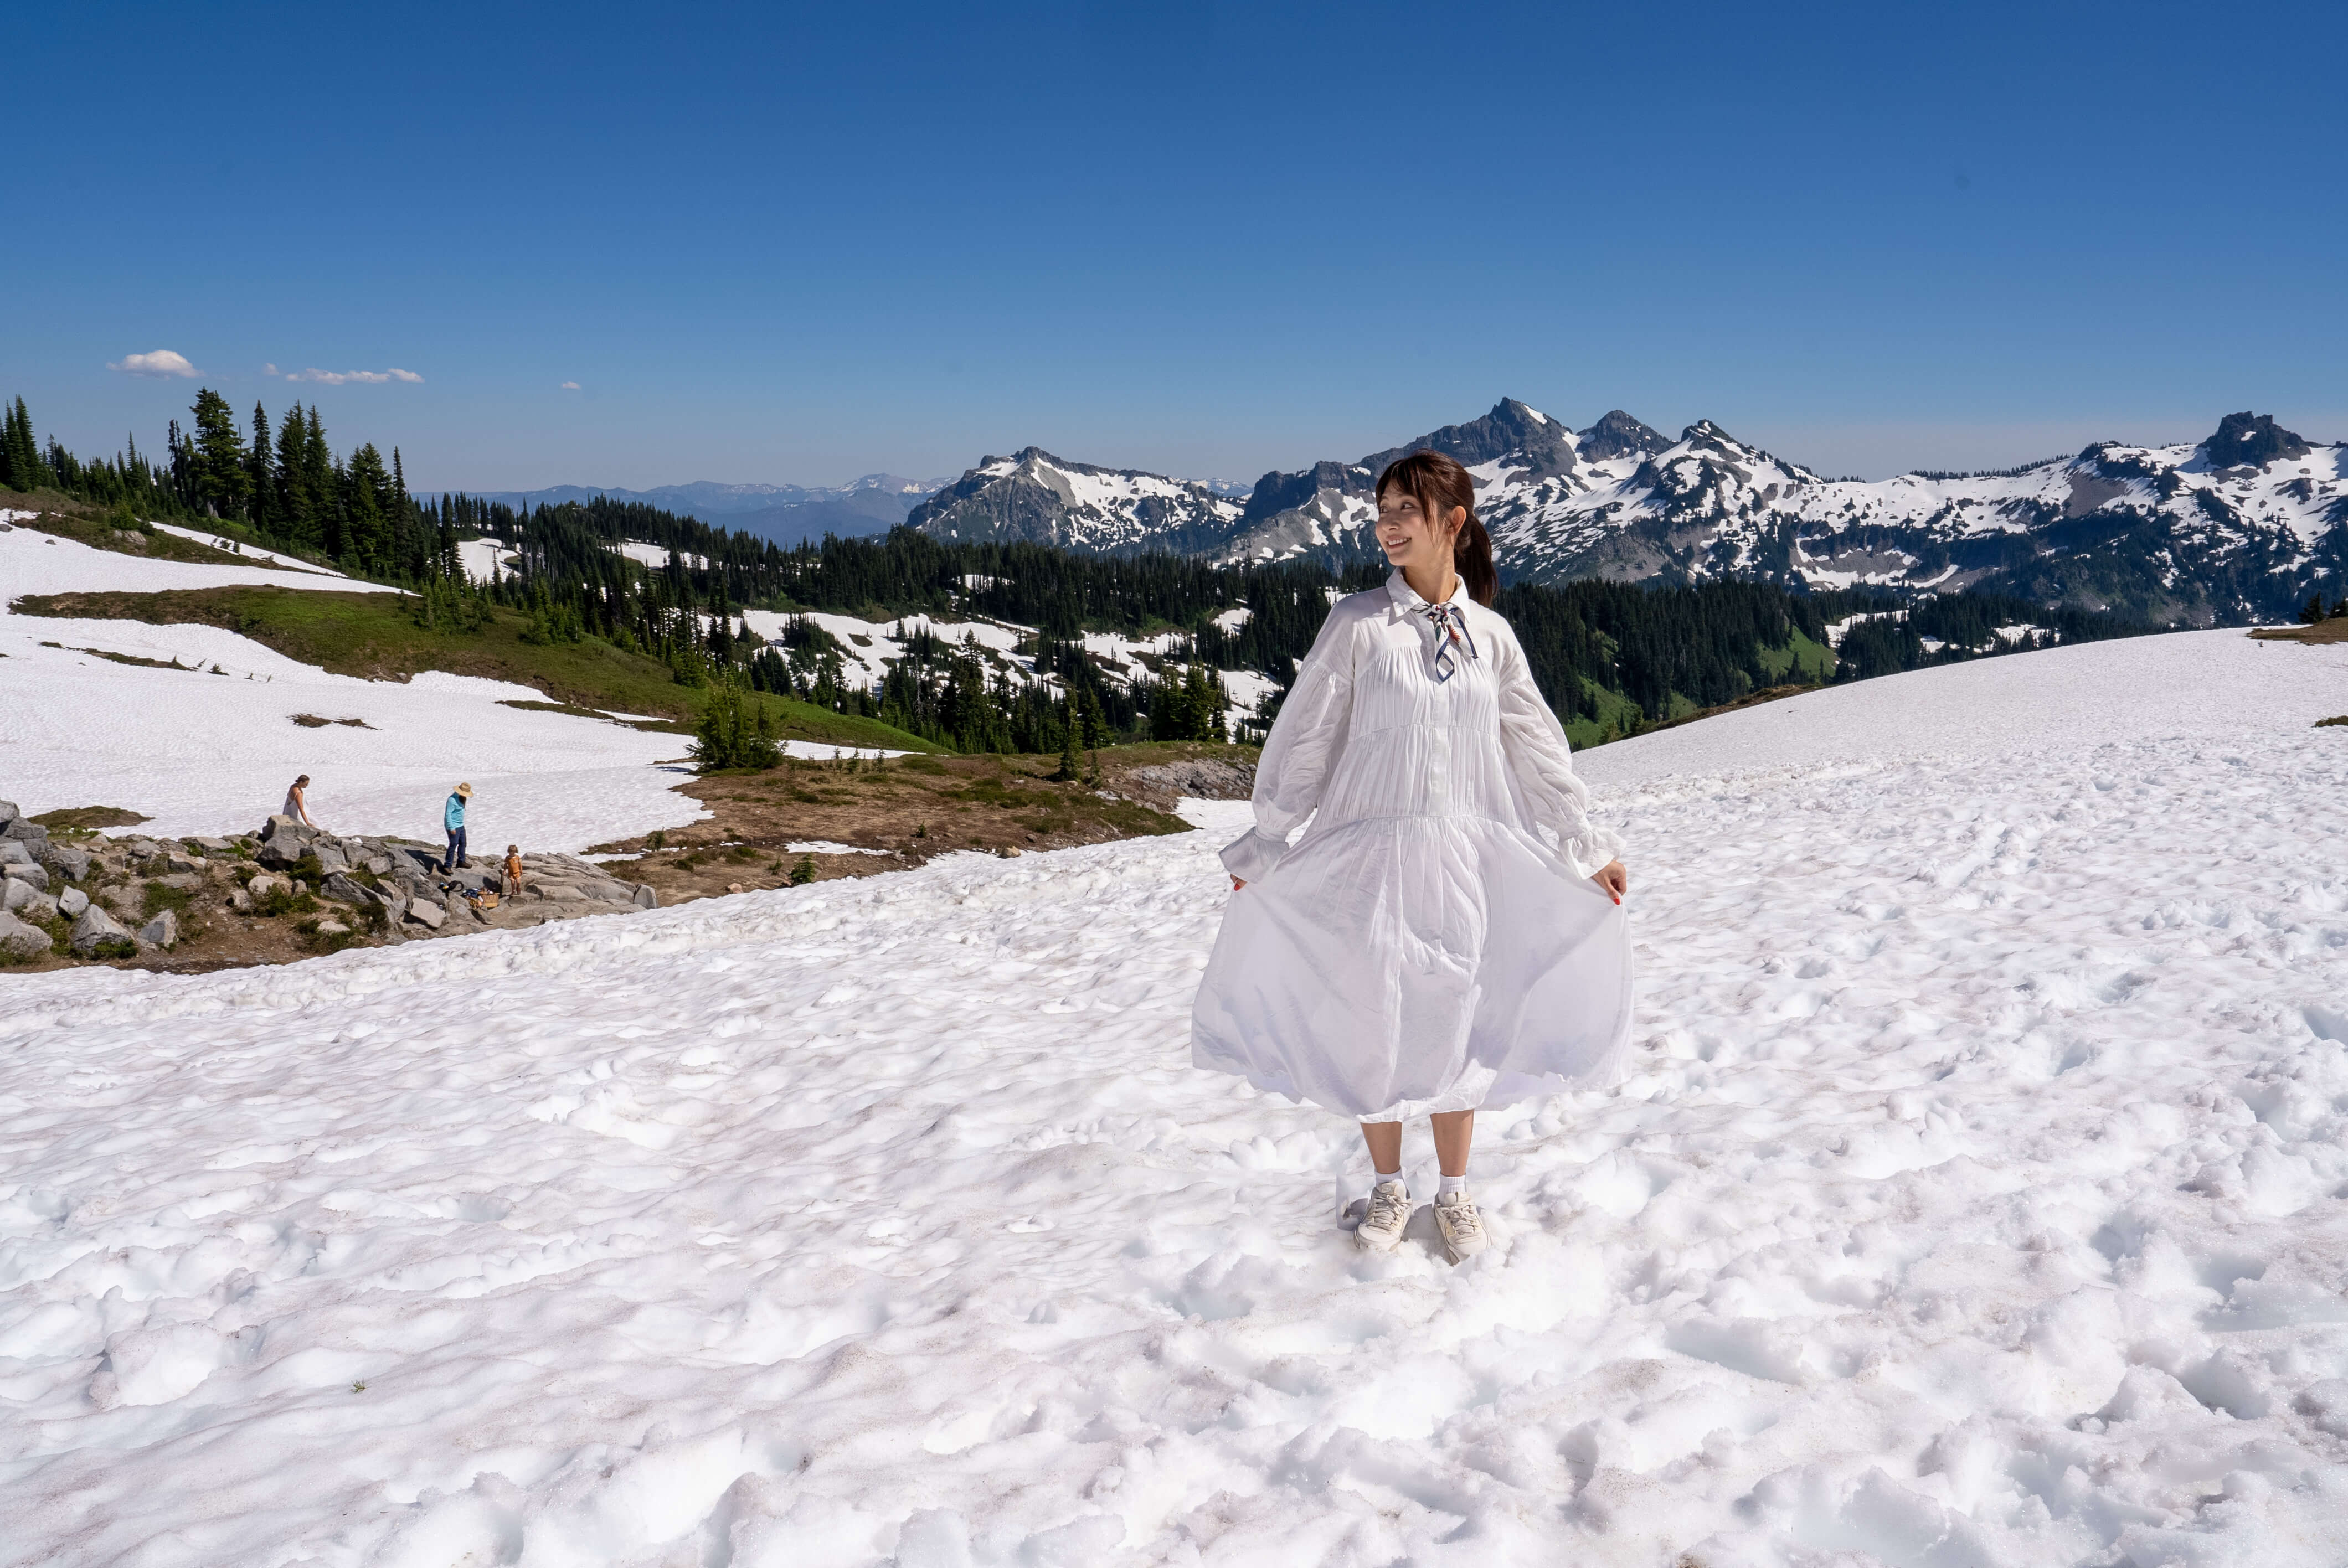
x,y
1411,538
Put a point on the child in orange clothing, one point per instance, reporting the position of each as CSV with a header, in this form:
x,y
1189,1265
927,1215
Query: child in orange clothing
x,y
513,871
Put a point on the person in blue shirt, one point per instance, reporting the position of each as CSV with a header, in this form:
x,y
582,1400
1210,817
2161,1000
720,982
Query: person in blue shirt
x,y
453,819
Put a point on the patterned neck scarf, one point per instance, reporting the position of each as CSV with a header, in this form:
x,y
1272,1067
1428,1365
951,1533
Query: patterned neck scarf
x,y
1451,634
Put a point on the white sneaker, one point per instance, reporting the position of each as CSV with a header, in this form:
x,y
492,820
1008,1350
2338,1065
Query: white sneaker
x,y
1463,1228
1381,1228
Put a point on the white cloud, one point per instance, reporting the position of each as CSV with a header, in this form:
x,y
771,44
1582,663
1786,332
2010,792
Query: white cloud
x,y
569,386
269,370
346,377
162,363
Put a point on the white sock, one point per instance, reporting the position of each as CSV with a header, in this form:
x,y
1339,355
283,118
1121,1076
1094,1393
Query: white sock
x,y
1450,1185
1378,1178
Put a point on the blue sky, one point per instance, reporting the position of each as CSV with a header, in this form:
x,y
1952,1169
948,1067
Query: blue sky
x,y
797,245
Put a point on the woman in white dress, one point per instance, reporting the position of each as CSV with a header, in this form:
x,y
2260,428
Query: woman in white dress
x,y
1448,932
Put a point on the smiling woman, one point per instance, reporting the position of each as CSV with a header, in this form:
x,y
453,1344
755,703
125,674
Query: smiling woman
x,y
1448,932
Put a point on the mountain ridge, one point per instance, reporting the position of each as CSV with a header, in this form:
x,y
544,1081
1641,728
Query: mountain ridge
x,y
2238,527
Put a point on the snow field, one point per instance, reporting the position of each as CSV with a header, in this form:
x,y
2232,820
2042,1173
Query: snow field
x,y
203,752
253,552
1973,1201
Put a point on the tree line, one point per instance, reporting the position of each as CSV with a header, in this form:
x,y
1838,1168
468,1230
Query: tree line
x,y
1593,646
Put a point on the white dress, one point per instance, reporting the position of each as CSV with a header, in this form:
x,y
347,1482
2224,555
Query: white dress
x,y
1433,941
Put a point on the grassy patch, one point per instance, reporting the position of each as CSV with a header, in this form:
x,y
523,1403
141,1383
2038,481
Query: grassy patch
x,y
313,722
158,897
129,659
2327,723
2333,631
74,820
370,635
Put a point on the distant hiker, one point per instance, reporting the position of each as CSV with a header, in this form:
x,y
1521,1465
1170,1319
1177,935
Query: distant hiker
x,y
513,871
452,818
297,804
1448,932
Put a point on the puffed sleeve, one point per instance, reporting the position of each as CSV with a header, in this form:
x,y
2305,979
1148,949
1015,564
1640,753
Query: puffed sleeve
x,y
1542,761
1304,740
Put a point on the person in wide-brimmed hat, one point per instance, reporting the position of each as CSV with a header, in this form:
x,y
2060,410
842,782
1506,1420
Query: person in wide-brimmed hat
x,y
452,818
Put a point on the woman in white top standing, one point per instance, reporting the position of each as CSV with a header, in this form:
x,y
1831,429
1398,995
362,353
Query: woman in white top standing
x,y
1448,931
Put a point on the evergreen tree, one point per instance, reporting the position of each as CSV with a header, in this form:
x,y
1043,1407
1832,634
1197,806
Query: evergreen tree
x,y
294,508
261,477
223,487
1069,764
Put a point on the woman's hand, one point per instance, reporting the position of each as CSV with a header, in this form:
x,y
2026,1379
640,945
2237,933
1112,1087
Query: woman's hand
x,y
1614,880
1237,884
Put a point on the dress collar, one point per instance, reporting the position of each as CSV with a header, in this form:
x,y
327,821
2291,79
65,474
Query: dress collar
x,y
1406,597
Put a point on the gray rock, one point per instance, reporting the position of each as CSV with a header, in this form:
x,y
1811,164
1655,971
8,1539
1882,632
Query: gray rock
x,y
35,877
21,941
162,931
331,856
42,909
240,901
71,864
123,901
426,913
379,863
95,926
214,845
266,883
645,898
25,832
394,907
609,892
333,928
185,881
282,826
13,852
16,894
183,862
338,885
72,902
8,812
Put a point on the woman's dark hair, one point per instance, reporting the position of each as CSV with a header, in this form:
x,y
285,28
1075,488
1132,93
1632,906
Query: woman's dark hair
x,y
1439,483
302,780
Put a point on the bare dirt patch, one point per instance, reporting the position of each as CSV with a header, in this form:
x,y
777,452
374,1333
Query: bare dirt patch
x,y
894,814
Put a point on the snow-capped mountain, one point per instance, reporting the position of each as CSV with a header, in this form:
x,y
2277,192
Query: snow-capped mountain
x,y
2242,526
2236,526
1328,510
710,500
1034,498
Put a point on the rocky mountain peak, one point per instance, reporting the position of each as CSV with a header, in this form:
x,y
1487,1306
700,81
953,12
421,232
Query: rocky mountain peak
x,y
1617,434
2251,440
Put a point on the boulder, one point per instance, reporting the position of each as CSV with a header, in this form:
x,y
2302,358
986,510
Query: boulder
x,y
609,892
214,845
282,826
16,894
72,902
240,901
25,832
338,885
123,901
182,863
330,855
42,909
37,875
645,898
71,864
20,940
95,926
394,907
13,852
331,928
266,883
426,913
162,931
8,812
378,863
185,881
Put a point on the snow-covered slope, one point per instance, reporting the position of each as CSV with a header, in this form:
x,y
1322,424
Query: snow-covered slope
x,y
210,748
1035,498
1973,1201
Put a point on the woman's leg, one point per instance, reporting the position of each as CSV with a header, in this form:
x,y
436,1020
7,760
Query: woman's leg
x,y
1454,1131
1384,1141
